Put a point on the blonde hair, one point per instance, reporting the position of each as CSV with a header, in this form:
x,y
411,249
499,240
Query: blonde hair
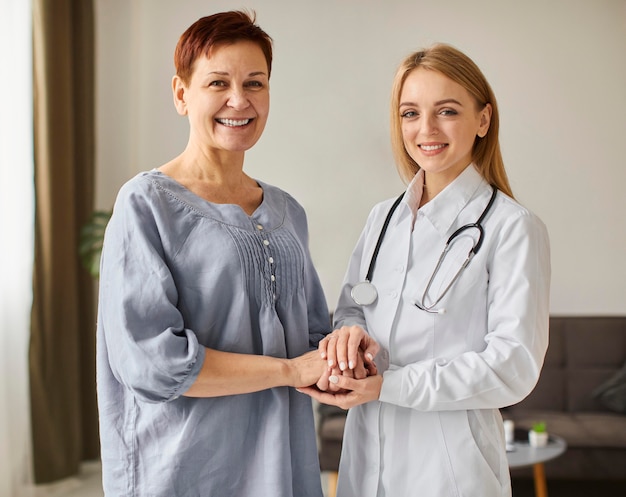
x,y
457,66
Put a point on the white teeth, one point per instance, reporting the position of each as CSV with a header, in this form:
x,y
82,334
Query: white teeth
x,y
429,148
234,122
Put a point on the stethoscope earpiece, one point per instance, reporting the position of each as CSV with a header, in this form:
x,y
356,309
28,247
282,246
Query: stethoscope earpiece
x,y
442,310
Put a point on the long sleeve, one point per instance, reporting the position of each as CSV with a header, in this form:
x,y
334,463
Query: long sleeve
x,y
487,349
149,350
508,367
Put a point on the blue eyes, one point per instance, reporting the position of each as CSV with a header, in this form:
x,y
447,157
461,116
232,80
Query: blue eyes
x,y
410,114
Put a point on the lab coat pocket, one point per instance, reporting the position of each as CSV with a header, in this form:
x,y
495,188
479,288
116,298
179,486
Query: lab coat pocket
x,y
484,429
474,454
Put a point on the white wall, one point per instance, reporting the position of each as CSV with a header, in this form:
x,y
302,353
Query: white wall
x,y
558,69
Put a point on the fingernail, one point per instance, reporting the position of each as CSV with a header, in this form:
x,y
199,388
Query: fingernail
x,y
342,365
333,379
369,356
351,364
323,355
330,363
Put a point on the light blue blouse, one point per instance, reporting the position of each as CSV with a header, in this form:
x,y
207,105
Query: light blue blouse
x,y
179,274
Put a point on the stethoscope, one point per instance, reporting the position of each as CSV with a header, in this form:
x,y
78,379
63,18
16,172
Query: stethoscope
x,y
364,293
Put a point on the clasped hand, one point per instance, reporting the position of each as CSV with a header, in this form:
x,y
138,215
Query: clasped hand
x,y
351,377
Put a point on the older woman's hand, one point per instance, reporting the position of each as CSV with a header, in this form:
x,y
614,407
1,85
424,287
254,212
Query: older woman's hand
x,y
306,369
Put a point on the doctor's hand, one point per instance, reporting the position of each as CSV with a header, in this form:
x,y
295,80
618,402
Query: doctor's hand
x,y
360,371
353,392
341,348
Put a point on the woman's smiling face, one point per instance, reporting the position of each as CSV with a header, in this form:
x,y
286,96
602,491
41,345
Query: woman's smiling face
x,y
440,122
227,98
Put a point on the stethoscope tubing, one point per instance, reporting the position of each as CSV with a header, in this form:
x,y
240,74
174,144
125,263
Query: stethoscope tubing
x,y
478,224
379,242
371,298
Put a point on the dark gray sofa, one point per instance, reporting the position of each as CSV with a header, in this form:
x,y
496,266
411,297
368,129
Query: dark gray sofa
x,y
583,355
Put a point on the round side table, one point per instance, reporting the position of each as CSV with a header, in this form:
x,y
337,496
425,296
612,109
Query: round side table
x,y
525,455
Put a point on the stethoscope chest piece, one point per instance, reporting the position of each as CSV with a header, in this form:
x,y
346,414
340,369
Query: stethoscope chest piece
x,y
364,293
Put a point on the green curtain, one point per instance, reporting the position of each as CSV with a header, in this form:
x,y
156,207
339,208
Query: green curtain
x,y
62,343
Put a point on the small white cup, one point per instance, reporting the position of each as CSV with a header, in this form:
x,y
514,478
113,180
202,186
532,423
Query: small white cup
x,y
509,431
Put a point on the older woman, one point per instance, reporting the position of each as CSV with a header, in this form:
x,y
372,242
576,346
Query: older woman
x,y
209,300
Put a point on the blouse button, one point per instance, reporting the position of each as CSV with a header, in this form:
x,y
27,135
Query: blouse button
x,y
266,242
271,259
259,227
273,278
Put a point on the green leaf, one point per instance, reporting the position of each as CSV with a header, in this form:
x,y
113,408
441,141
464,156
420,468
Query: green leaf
x,y
91,239
539,427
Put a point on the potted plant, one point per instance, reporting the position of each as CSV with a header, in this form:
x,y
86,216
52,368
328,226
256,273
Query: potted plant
x,y
90,242
538,435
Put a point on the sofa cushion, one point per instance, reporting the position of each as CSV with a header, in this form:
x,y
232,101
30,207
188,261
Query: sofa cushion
x,y
332,428
584,352
581,385
612,393
595,342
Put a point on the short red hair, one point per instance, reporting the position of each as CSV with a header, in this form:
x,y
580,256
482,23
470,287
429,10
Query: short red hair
x,y
218,29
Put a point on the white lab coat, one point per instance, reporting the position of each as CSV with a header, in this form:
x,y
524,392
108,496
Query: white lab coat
x,y
436,429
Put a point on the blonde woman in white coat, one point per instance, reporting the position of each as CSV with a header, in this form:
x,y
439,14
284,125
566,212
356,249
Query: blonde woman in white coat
x,y
448,358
